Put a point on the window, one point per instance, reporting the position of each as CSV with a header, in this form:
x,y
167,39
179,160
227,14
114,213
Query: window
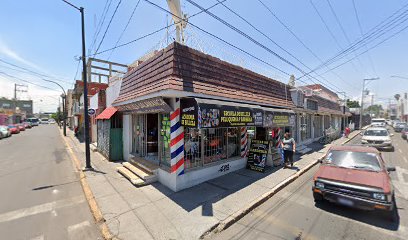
x,y
204,146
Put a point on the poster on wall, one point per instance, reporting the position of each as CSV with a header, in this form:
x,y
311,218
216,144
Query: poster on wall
x,y
205,115
258,153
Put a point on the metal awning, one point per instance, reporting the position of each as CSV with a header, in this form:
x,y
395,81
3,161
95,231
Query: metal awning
x,y
107,113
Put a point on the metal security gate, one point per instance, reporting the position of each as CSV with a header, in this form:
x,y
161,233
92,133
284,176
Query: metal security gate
x,y
140,135
103,137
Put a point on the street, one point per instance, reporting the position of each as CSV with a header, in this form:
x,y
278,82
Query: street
x,y
293,214
41,196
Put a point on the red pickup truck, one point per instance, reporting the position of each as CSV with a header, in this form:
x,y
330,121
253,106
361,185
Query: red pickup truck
x,y
355,176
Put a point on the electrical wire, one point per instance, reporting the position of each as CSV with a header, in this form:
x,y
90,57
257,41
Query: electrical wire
x,y
124,29
300,41
23,80
107,28
100,24
151,33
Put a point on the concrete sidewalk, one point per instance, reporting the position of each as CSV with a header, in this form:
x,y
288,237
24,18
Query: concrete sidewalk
x,y
156,212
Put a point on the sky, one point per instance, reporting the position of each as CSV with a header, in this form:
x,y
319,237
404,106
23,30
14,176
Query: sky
x,y
292,37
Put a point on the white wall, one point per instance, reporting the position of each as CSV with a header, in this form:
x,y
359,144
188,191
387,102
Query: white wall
x,y
194,177
93,101
127,136
112,92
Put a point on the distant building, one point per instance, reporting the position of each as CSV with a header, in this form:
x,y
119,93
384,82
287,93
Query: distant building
x,y
16,110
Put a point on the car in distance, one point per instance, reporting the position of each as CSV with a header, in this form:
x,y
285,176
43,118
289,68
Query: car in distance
x,y
21,127
355,176
377,137
399,126
4,132
404,133
44,121
378,122
33,121
51,121
27,125
14,129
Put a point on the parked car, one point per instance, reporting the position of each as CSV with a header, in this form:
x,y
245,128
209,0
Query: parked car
x,y
51,121
378,122
21,127
14,129
33,121
395,122
404,133
355,176
4,132
377,137
27,125
399,126
44,121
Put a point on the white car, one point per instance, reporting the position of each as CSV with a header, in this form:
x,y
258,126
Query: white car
x,y
4,132
378,122
377,137
51,121
44,121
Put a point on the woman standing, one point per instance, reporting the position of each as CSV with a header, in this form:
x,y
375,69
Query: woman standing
x,y
288,145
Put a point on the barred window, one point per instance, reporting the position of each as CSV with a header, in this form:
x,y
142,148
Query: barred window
x,y
210,145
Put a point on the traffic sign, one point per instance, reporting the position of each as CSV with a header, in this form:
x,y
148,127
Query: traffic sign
x,y
91,111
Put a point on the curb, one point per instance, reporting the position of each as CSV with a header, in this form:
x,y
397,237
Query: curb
x,y
226,223
96,212
255,203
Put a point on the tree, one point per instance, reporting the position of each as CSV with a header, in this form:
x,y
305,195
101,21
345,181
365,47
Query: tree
x,y
397,96
352,104
375,109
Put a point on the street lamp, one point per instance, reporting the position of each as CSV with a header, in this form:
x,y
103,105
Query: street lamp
x,y
362,98
63,96
84,77
395,76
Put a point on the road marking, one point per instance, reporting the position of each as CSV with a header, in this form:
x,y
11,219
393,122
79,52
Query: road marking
x,y
41,237
42,208
78,226
405,159
400,150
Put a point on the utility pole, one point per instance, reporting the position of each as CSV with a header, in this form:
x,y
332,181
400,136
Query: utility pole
x,y
362,99
84,77
18,89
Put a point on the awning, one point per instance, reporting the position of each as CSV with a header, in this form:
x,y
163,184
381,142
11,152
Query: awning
x,y
107,113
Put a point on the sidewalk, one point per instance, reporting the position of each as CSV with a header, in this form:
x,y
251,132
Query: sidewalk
x,y
155,212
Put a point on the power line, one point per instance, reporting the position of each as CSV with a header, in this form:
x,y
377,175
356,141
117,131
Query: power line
x,y
28,71
23,80
107,28
124,30
378,29
263,34
100,24
152,33
361,33
298,38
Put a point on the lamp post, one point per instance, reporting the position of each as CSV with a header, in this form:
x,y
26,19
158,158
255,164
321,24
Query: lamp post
x,y
395,76
63,96
84,77
362,99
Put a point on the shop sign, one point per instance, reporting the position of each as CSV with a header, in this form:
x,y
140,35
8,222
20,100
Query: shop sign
x,y
257,156
276,119
204,115
152,105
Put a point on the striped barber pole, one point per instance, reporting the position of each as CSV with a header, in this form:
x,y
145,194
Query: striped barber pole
x,y
176,141
244,141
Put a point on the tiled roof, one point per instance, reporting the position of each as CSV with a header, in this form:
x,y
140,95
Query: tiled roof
x,y
179,67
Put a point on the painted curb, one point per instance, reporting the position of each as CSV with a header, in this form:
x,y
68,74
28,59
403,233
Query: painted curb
x,y
222,225
96,212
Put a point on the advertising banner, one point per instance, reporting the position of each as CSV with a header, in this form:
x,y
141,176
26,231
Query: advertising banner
x,y
277,119
258,153
211,115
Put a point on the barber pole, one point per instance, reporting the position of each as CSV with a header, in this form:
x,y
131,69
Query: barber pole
x,y
244,142
176,141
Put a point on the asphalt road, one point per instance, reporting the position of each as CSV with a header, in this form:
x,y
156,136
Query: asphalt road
x,y
40,193
293,214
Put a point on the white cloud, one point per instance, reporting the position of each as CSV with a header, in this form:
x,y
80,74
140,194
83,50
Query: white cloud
x,y
5,50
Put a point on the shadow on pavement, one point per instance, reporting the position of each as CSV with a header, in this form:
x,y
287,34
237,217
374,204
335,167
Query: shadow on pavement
x,y
375,218
210,192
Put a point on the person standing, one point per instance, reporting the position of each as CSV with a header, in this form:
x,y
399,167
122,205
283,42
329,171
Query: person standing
x,y
288,145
